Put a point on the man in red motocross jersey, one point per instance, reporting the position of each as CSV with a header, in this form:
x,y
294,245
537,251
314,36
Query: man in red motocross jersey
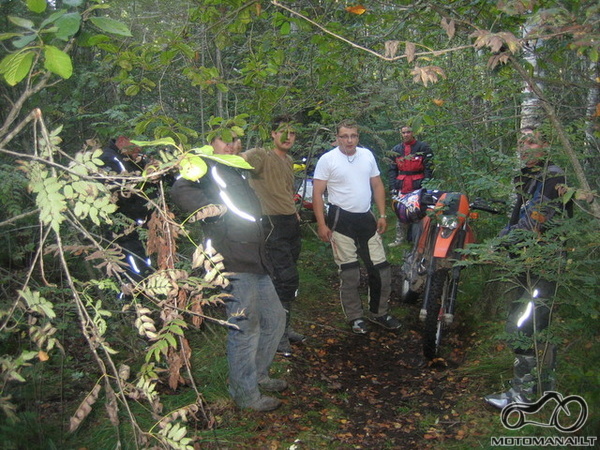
x,y
412,163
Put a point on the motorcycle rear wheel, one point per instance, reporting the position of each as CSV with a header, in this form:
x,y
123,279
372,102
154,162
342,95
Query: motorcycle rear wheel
x,y
436,306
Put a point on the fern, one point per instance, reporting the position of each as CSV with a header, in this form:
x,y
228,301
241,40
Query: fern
x,y
13,192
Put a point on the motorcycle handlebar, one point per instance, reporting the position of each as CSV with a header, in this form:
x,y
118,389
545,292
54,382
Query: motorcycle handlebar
x,y
429,198
483,205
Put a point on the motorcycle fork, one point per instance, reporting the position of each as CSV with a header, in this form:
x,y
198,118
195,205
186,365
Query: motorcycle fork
x,y
455,275
450,304
431,266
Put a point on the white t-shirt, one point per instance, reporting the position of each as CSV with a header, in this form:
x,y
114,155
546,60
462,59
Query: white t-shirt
x,y
348,178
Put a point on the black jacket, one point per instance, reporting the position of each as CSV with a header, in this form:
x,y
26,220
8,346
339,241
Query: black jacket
x,y
238,234
132,206
537,197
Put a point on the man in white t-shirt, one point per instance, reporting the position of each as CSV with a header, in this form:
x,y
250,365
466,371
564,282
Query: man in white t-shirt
x,y
352,178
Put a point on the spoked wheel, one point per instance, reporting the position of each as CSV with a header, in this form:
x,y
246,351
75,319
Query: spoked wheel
x,y
436,306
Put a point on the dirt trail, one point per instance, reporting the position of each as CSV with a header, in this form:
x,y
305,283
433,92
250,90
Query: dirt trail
x,y
372,391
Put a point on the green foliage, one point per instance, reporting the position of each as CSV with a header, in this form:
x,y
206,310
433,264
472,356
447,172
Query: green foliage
x,y
13,195
60,25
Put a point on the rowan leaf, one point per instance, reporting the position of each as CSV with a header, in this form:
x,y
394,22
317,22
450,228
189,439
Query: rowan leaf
x,y
84,409
449,26
410,50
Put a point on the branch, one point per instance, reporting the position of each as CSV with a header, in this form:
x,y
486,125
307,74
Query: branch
x,y
368,50
19,217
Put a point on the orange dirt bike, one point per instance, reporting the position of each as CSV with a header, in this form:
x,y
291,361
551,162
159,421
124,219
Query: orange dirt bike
x,y
440,227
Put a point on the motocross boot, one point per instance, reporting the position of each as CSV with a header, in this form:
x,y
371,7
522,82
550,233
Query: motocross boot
x,y
293,335
523,384
289,335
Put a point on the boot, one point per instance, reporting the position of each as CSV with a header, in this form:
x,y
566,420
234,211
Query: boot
x,y
523,385
284,348
295,337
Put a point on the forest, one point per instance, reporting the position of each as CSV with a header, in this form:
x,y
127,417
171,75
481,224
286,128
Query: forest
x,y
82,367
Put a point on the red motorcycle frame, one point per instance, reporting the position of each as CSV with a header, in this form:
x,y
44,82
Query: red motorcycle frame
x,y
430,266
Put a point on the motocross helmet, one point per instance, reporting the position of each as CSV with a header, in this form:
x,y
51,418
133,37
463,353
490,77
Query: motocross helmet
x,y
409,208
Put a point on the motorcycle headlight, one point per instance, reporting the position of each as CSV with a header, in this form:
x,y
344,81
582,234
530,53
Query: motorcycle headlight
x,y
450,222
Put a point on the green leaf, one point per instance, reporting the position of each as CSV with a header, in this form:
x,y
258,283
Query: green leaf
x,y
171,340
37,6
97,39
231,160
52,18
193,167
204,150
58,62
163,141
20,22
24,40
5,36
28,355
15,67
176,329
132,90
285,29
68,25
37,303
93,214
68,191
111,26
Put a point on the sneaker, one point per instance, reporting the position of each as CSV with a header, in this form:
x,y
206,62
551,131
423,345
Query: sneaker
x,y
359,326
265,403
386,321
506,398
295,337
284,348
395,244
273,385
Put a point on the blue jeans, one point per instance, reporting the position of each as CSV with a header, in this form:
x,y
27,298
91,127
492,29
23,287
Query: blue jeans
x,y
255,308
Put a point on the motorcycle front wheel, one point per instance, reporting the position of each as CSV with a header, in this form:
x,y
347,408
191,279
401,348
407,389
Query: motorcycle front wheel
x,y
407,295
436,306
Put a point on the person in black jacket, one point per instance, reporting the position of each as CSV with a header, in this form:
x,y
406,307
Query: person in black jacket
x,y
254,307
123,158
539,189
412,163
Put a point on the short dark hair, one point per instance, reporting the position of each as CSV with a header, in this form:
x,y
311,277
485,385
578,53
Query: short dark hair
x,y
280,120
347,123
